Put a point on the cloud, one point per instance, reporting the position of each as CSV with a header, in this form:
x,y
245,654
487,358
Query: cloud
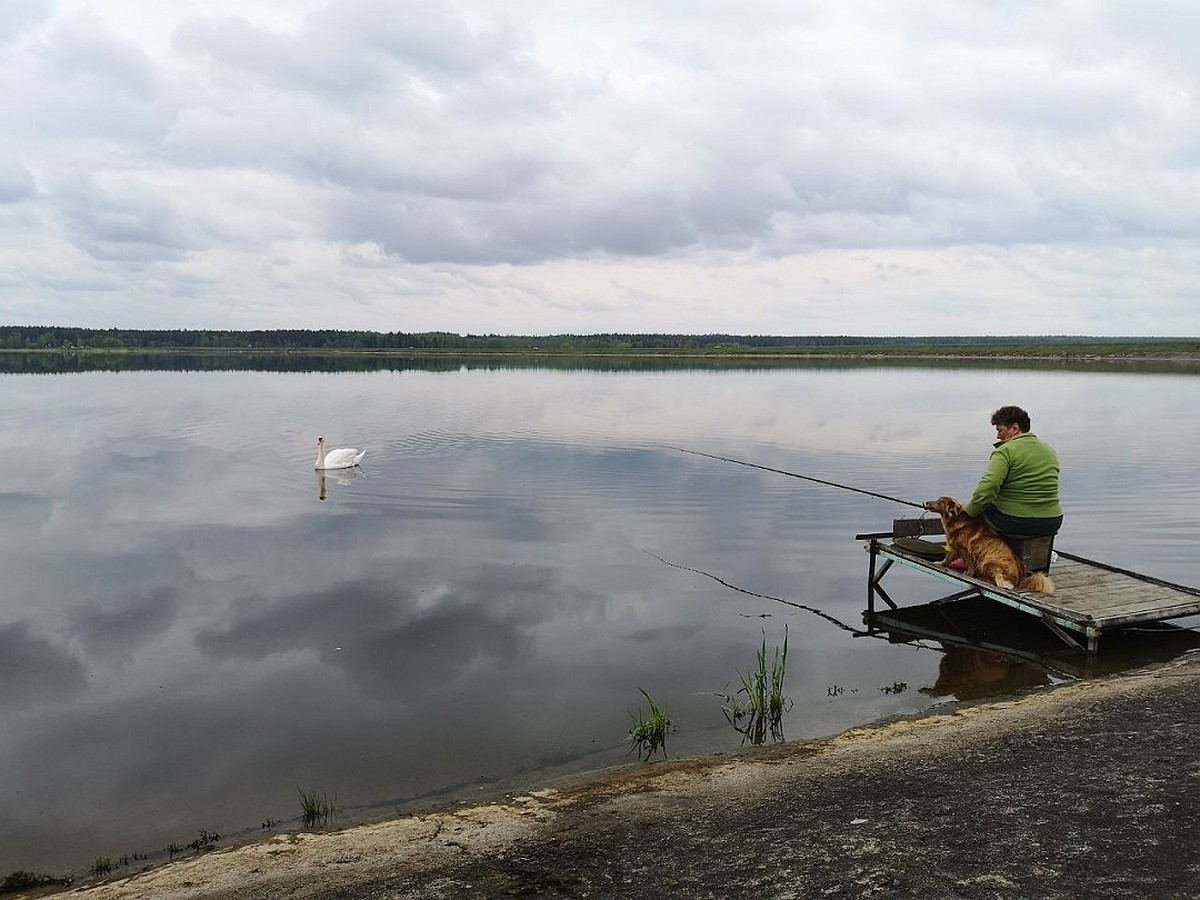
x,y
127,219
831,154
367,48
16,182
84,49
221,138
19,16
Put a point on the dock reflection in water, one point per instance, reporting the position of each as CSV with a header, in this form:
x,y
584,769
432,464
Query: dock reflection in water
x,y
966,673
990,650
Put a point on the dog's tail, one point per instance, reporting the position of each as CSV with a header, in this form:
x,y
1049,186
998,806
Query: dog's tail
x,y
1037,581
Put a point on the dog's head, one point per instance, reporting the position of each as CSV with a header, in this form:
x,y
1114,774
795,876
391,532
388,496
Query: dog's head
x,y
947,507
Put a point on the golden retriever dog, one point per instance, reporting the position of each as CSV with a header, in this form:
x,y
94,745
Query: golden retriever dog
x,y
986,554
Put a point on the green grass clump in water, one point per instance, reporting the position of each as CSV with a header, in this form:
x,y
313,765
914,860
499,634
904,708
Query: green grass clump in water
x,y
317,807
649,732
20,880
764,703
102,865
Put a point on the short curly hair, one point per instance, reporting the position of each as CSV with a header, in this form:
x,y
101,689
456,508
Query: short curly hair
x,y
1011,415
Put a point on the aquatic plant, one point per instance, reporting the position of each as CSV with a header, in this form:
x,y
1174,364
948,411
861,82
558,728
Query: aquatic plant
x,y
317,807
759,700
101,865
20,880
649,732
205,841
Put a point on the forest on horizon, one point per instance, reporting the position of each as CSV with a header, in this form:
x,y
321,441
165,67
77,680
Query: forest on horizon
x,y
21,337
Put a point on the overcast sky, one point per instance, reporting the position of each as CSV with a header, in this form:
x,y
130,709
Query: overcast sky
x,y
539,166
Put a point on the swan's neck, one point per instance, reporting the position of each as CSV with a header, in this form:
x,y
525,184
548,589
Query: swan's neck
x,y
320,454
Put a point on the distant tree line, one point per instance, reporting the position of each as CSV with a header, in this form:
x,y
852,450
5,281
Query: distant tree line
x,y
42,362
20,337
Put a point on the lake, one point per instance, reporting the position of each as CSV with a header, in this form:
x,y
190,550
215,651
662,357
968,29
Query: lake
x,y
195,625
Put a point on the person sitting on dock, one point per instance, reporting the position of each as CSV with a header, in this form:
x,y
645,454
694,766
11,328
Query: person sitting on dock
x,y
1018,494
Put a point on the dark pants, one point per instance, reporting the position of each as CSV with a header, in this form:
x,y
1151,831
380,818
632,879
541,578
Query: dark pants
x,y
1022,526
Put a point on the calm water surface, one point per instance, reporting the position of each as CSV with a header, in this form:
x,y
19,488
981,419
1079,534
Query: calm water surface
x,y
194,624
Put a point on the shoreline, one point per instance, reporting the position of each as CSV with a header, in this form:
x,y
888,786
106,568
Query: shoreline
x,y
982,353
453,852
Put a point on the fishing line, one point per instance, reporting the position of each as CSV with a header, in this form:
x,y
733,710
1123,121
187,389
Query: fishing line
x,y
916,643
824,615
844,487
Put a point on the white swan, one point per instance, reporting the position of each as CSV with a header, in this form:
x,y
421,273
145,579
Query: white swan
x,y
342,458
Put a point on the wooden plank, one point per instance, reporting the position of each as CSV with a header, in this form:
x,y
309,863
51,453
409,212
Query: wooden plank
x,y
1110,596
916,527
1084,591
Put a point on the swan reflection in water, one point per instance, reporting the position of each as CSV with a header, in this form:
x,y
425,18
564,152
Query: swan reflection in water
x,y
341,476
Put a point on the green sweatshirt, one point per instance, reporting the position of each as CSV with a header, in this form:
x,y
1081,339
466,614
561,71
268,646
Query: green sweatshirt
x,y
1021,480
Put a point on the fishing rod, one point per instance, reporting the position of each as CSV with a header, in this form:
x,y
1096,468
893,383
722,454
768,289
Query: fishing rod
x,y
844,487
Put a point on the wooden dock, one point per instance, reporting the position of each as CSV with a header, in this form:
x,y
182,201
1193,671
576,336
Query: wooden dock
x,y
1090,597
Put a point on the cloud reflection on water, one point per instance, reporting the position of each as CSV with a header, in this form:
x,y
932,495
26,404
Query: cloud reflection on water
x,y
397,631
36,670
112,628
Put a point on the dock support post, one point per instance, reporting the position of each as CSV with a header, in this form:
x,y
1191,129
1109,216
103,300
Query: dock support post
x,y
871,587
1063,635
874,576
